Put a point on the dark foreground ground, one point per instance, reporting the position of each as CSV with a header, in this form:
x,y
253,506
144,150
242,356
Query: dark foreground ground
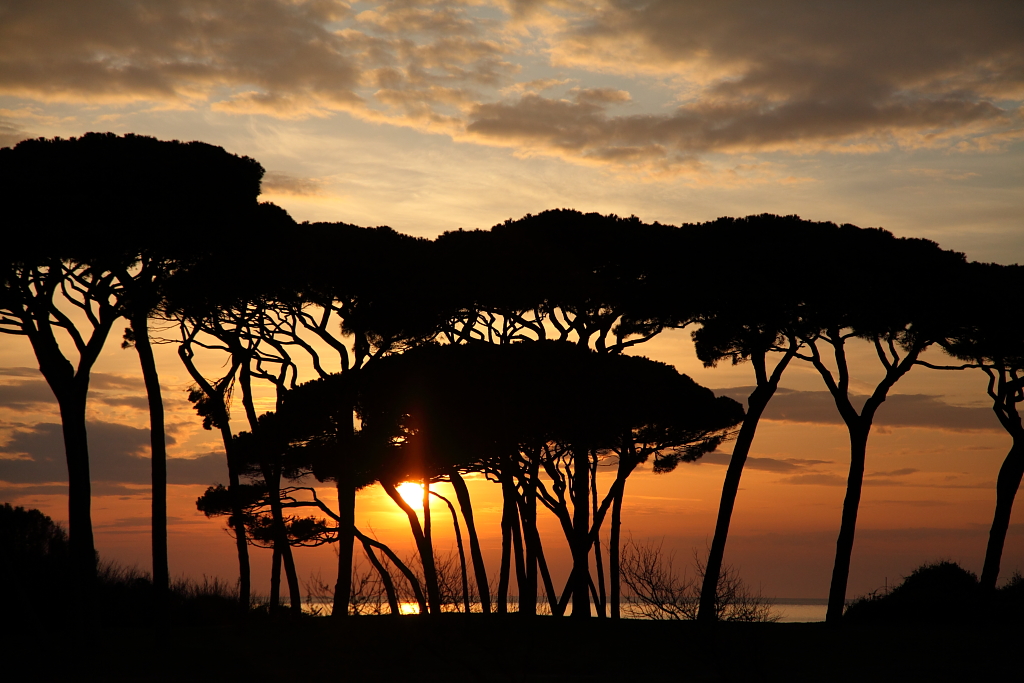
x,y
456,648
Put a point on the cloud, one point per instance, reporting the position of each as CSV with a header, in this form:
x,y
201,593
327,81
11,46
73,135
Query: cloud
x,y
104,380
791,76
24,396
11,132
276,182
35,394
764,464
19,372
734,77
175,50
281,58
136,402
117,454
899,410
815,479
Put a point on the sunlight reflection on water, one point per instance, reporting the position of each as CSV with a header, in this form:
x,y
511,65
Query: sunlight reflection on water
x,y
790,610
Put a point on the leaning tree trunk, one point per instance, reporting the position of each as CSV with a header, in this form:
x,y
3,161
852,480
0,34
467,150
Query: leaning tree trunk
x,y
756,403
847,530
614,548
1010,475
426,554
462,551
158,446
479,570
272,478
505,566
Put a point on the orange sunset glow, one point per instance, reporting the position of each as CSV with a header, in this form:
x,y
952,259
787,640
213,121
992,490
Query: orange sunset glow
x,y
681,311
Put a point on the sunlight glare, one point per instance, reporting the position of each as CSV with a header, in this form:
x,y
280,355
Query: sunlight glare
x,y
412,493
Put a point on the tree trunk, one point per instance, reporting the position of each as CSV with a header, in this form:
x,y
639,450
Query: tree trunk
x,y
82,547
402,567
281,544
346,539
517,546
848,528
237,520
756,403
272,478
528,584
1010,475
600,597
158,447
505,567
479,570
581,535
428,544
385,578
462,551
613,552
426,555
275,581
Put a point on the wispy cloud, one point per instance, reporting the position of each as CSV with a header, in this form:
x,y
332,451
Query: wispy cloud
x,y
899,410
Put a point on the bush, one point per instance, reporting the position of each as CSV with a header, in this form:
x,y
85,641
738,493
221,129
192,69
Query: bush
x,y
941,591
33,561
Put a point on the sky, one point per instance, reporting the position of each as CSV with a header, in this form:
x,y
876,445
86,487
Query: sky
x,y
431,116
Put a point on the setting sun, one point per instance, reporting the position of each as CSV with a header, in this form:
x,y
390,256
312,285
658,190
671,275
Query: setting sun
x,y
412,493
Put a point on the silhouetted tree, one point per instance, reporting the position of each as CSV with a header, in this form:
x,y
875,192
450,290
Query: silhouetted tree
x,y
79,207
901,319
515,430
360,292
742,320
993,340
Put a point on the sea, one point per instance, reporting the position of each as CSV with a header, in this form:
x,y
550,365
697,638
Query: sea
x,y
789,610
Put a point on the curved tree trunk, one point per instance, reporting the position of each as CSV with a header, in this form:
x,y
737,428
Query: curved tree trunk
x,y
461,549
479,570
385,578
848,527
158,447
237,520
433,601
402,567
272,478
1010,474
767,385
758,400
